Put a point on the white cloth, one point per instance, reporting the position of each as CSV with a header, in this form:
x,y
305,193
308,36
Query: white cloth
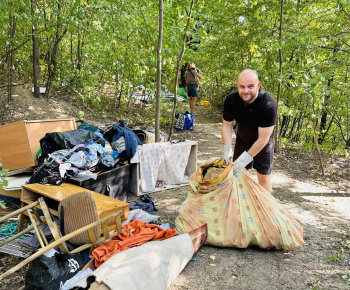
x,y
151,266
162,161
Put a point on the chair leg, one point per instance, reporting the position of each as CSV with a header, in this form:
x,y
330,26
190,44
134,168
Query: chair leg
x,y
62,240
53,226
38,233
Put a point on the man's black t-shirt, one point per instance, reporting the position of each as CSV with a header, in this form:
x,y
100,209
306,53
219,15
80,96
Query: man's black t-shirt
x,y
260,113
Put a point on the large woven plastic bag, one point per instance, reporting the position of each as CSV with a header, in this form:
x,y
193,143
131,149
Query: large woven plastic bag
x,y
238,212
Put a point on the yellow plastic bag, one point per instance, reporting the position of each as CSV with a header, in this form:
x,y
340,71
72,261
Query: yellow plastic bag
x,y
238,212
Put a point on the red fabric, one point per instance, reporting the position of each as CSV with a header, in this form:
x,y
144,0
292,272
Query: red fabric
x,y
135,234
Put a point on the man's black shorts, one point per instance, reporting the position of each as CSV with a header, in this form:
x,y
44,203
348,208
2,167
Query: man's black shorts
x,y
262,161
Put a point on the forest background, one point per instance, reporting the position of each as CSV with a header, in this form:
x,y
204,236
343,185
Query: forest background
x,y
77,48
98,53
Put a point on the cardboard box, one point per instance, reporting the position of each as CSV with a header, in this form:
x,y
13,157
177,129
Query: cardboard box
x,y
135,183
113,183
20,140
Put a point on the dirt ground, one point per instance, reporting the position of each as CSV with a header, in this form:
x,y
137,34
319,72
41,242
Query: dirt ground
x,y
320,203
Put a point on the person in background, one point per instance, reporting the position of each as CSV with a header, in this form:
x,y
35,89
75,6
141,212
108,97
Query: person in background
x,y
255,114
192,76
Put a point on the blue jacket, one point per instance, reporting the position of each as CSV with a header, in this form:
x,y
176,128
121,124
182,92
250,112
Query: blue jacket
x,y
131,139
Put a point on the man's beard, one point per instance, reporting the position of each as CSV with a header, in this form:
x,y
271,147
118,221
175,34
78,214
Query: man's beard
x,y
251,97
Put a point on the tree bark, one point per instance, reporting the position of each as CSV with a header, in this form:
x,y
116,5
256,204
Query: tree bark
x,y
35,51
12,29
315,135
159,71
53,61
280,79
178,68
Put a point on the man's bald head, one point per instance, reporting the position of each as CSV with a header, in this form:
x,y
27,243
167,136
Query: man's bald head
x,y
248,85
249,72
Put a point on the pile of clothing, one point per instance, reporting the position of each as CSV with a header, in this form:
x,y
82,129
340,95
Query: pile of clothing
x,y
83,153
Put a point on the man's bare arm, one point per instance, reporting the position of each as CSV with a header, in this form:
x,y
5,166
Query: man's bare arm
x,y
263,139
226,132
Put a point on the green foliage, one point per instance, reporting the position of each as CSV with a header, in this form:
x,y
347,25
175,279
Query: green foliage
x,y
3,183
346,276
103,40
344,247
313,283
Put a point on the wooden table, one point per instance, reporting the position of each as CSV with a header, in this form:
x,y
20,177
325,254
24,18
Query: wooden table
x,y
54,194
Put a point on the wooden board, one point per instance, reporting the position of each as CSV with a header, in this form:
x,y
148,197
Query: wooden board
x,y
11,193
20,140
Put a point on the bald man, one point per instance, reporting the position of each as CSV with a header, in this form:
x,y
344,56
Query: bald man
x,y
255,114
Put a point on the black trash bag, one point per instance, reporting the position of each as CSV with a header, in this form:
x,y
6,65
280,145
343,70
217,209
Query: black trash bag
x,y
52,272
52,142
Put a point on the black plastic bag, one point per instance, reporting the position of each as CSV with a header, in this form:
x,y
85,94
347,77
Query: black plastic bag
x,y
52,272
52,142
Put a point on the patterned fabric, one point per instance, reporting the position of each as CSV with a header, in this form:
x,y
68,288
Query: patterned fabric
x,y
239,213
180,123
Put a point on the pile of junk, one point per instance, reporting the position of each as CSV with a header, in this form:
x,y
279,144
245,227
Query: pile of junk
x,y
75,238
73,223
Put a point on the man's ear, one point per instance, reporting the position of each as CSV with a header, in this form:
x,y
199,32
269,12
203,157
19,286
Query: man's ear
x,y
259,85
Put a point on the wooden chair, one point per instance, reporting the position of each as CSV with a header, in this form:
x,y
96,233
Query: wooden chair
x,y
90,228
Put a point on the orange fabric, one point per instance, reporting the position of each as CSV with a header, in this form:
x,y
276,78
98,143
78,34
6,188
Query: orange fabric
x,y
135,234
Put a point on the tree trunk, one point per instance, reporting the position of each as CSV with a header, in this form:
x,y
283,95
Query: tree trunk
x,y
315,134
79,52
35,51
53,61
280,79
284,126
12,29
178,68
324,112
159,71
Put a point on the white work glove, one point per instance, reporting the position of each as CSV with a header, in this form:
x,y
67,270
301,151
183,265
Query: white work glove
x,y
228,154
241,162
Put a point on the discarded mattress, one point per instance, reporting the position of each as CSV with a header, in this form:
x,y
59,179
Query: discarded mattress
x,y
153,265
239,213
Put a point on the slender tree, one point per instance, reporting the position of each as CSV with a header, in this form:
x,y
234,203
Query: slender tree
x,y
35,50
159,71
280,76
179,59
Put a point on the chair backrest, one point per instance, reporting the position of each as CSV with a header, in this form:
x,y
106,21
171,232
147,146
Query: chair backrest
x,y
79,210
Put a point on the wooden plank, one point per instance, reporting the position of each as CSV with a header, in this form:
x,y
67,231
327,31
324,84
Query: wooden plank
x,y
15,148
20,140
38,234
53,227
18,171
11,193
17,212
37,130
